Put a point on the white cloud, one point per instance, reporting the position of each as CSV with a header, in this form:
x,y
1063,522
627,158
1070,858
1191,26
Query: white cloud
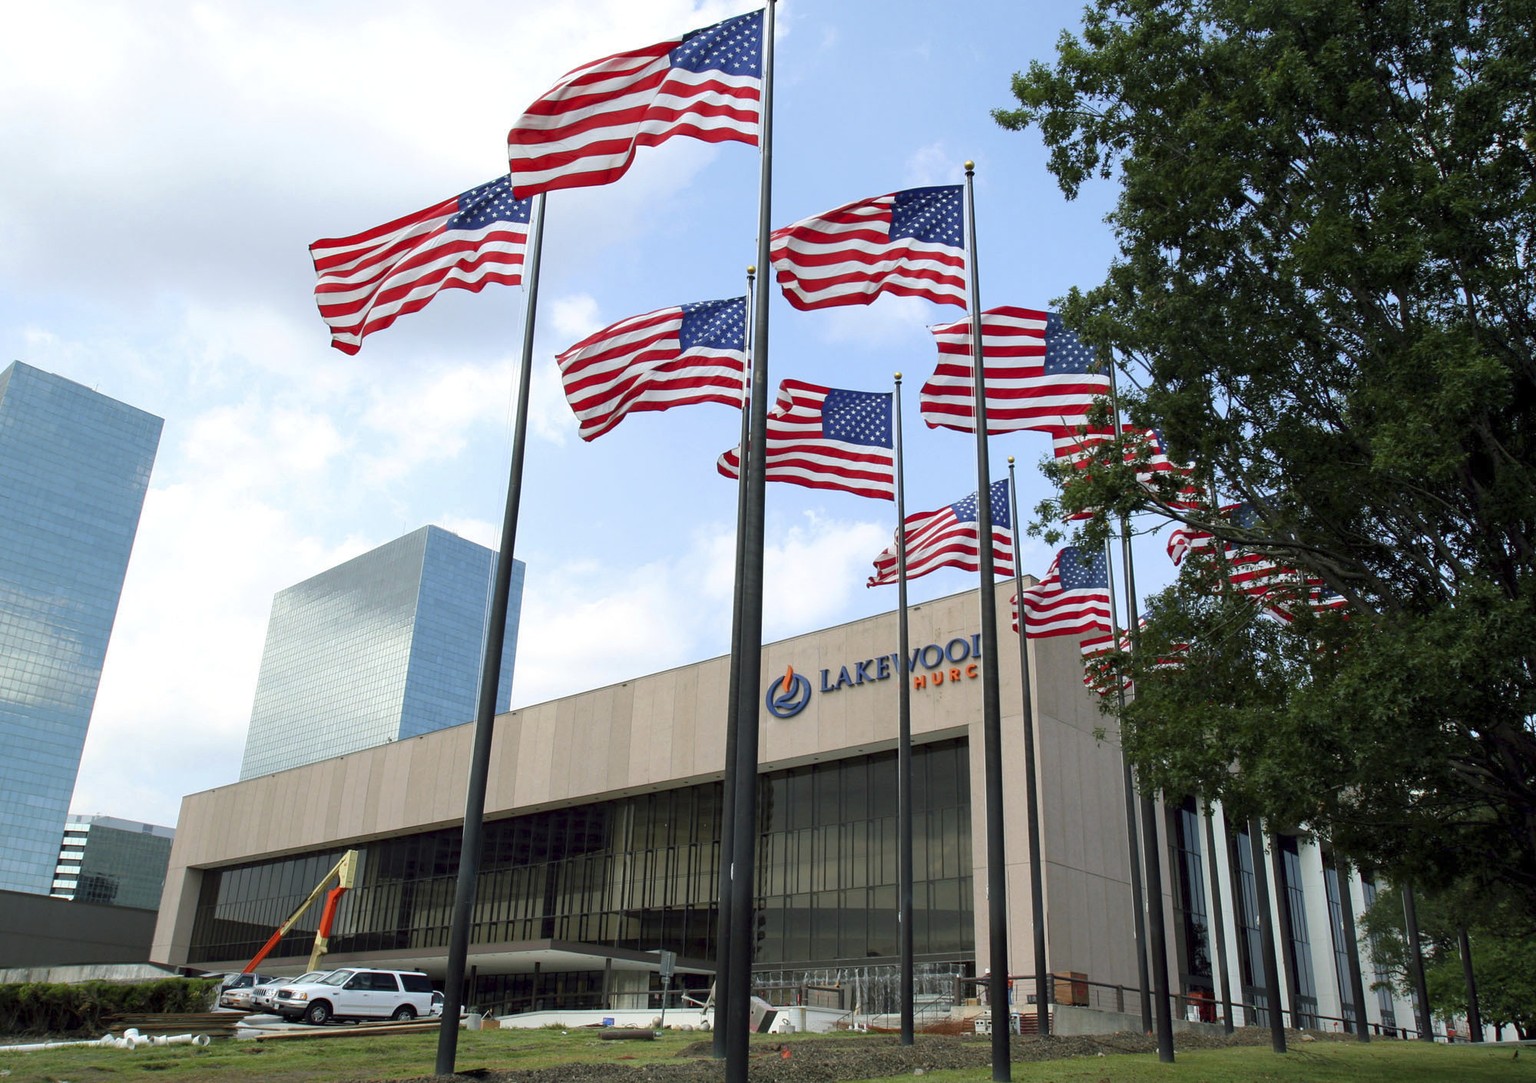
x,y
176,689
894,322
817,568
426,415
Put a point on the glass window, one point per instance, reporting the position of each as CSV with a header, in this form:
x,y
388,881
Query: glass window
x,y
642,872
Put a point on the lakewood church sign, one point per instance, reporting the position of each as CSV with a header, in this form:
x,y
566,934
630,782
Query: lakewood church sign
x,y
930,666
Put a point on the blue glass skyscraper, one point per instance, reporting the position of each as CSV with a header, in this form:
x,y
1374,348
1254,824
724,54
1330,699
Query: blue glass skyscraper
x,y
74,468
382,647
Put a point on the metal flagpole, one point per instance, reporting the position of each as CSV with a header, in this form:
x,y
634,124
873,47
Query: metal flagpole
x,y
490,676
1416,966
991,707
1266,935
1031,778
903,742
1132,833
749,648
729,781
1474,1012
1219,930
1156,932
1285,929
1352,948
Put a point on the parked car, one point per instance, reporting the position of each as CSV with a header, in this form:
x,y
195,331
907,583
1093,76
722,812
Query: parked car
x,y
236,991
264,995
437,1006
357,993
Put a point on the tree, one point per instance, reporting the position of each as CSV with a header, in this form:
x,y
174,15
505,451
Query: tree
x,y
1324,299
1503,954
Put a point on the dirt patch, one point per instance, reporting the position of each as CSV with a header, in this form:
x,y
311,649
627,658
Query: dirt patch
x,y
811,1060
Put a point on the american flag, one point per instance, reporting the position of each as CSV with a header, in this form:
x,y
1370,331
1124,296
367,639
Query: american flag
x,y
1252,571
1184,539
1141,447
1101,654
1100,662
910,243
827,438
670,357
1281,589
949,538
583,131
1072,599
1037,374
367,281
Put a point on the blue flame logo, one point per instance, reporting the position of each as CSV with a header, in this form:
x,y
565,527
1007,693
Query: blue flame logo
x,y
788,696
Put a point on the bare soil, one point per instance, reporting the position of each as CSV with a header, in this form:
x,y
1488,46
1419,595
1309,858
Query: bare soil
x,y
810,1060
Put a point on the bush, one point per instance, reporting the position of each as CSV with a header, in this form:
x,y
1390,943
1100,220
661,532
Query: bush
x,y
82,1008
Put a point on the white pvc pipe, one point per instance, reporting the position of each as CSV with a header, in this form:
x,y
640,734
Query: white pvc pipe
x,y
34,1047
130,1040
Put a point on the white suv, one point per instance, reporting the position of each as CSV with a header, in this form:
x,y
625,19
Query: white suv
x,y
356,993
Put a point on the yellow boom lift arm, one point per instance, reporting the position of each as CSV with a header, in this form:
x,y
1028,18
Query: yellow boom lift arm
x,y
342,872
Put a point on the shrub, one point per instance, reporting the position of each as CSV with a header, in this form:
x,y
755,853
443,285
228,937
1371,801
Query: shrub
x,y
81,1009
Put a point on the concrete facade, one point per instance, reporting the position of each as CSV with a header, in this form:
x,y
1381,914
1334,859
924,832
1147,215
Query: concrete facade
x,y
666,730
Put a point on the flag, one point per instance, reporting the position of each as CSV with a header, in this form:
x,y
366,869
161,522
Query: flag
x,y
1145,450
1185,539
827,438
948,538
1101,659
367,281
670,357
1037,374
1072,599
910,243
1100,655
584,130
1074,446
1252,571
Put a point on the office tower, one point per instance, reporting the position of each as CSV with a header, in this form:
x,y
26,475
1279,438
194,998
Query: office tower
x,y
112,861
74,467
382,647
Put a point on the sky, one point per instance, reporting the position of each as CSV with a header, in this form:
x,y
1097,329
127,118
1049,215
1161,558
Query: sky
x,y
168,163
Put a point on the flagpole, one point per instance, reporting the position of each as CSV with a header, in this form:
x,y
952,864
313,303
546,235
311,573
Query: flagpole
x,y
729,779
750,646
904,916
1219,928
1156,932
490,676
1132,832
1031,779
991,707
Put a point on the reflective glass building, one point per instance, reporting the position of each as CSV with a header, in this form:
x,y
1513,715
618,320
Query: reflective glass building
x,y
380,648
113,862
74,467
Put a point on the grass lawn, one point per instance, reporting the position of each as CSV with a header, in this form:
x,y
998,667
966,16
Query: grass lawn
x,y
403,1056
1331,1062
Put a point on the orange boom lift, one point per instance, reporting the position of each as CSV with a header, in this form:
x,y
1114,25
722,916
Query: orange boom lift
x,y
342,873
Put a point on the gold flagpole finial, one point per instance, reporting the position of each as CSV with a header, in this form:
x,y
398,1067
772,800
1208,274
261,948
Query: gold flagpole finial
x,y
970,166
751,268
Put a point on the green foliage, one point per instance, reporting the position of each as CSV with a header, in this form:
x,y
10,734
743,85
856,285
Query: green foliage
x,y
1503,954
80,1009
1325,299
